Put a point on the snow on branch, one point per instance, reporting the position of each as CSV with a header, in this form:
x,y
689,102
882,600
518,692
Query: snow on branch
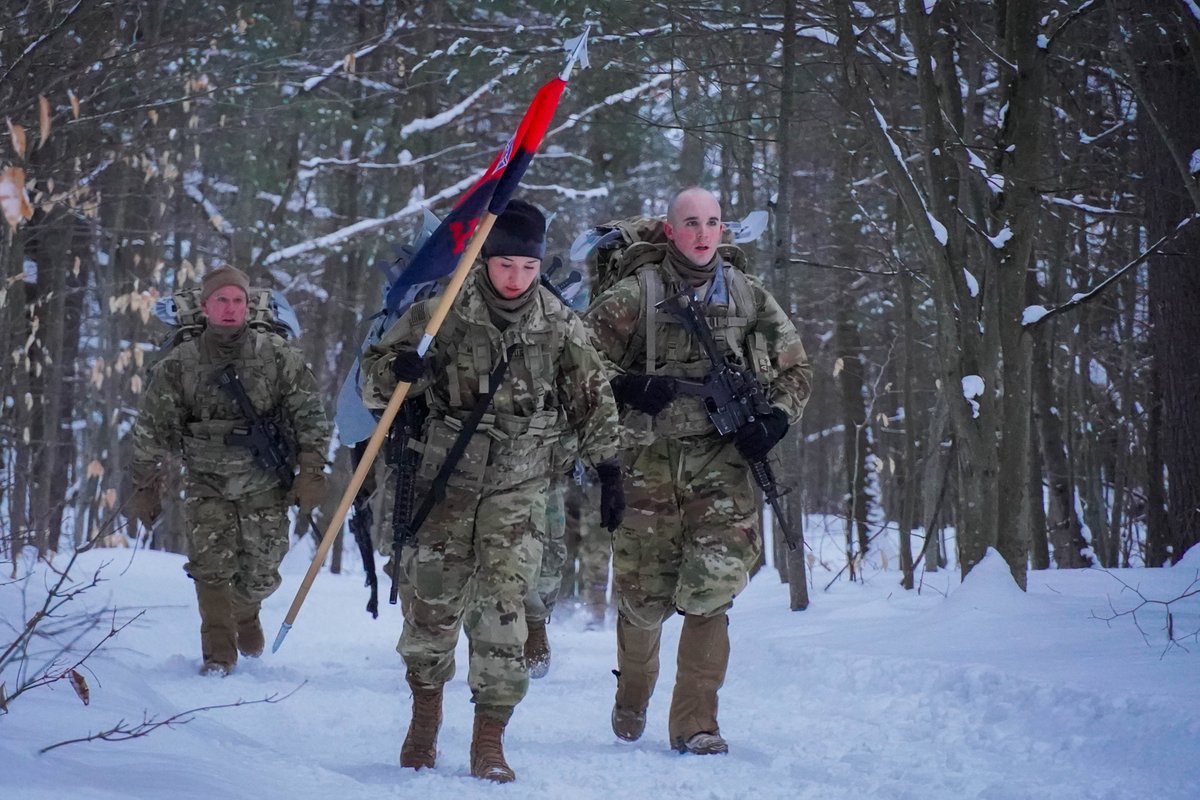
x,y
620,97
364,225
1077,203
939,230
1036,315
346,62
567,191
406,160
449,115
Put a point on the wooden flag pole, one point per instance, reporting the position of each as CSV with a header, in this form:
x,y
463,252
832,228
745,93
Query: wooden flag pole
x,y
385,423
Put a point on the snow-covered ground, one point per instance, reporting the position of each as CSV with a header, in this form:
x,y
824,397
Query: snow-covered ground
x,y
971,690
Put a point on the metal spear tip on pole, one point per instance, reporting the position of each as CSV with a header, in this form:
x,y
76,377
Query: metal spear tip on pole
x,y
279,637
576,51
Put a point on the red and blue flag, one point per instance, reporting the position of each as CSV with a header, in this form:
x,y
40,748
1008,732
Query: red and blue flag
x,y
440,253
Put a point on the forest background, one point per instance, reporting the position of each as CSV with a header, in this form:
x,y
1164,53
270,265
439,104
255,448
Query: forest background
x,y
982,219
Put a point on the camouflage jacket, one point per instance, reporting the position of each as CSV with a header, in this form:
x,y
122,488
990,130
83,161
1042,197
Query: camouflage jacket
x,y
183,411
750,329
555,397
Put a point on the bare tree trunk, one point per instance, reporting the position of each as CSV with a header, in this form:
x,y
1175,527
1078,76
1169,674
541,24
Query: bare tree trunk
x,y
797,577
909,484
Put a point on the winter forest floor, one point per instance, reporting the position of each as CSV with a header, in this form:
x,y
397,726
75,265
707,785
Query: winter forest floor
x,y
972,690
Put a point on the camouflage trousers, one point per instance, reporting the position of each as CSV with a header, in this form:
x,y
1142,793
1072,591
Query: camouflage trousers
x,y
471,567
543,594
690,533
240,542
589,547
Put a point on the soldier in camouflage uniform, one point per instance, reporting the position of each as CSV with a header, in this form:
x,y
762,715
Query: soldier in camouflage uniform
x,y
475,556
691,533
547,582
235,510
589,549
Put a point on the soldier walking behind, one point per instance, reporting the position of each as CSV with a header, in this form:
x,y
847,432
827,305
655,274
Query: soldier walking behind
x,y
235,509
691,533
476,554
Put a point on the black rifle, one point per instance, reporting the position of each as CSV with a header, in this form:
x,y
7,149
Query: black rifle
x,y
360,526
732,397
437,493
263,437
405,429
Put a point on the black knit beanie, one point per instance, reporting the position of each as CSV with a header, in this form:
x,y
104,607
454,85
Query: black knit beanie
x,y
519,231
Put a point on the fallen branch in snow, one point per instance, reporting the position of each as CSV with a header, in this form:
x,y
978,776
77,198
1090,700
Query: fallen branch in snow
x,y
1191,590
124,731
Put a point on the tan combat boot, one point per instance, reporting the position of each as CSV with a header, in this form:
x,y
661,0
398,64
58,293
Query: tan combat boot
x,y
250,640
637,672
537,649
218,638
419,750
703,659
487,750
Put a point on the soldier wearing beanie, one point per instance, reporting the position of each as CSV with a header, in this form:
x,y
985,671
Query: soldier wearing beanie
x,y
235,510
221,277
475,558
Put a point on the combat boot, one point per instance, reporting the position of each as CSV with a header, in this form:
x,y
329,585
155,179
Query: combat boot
x,y
537,649
703,658
628,723
218,637
419,750
250,640
487,750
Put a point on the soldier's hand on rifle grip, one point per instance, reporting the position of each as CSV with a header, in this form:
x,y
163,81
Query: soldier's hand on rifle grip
x,y
612,494
308,490
649,394
755,439
408,366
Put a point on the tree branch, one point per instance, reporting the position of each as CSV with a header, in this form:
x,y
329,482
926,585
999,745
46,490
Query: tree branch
x,y
123,731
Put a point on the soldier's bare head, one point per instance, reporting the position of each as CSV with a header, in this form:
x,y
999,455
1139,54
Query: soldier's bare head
x,y
694,224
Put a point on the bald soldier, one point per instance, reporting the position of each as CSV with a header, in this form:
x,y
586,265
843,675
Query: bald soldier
x,y
690,533
235,510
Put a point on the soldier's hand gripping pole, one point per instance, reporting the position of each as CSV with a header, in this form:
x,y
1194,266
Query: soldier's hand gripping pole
x,y
385,423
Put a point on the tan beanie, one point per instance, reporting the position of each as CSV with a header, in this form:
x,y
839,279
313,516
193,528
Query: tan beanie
x,y
223,276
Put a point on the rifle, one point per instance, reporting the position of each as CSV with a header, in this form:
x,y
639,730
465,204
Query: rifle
x,y
732,397
360,526
406,428
263,438
437,492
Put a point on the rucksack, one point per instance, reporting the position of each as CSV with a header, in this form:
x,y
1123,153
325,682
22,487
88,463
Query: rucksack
x,y
268,311
618,249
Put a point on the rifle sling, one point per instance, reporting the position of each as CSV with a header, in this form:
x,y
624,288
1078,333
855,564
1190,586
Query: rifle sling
x,y
470,424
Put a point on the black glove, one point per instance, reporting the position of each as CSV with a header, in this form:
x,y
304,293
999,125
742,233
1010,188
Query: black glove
x,y
408,366
755,439
649,394
612,494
